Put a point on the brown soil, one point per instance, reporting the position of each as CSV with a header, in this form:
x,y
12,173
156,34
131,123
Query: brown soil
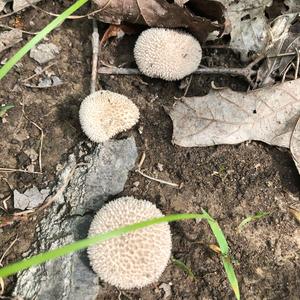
x,y
230,182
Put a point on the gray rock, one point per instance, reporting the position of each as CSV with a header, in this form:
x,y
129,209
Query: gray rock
x,y
20,4
30,199
43,53
68,219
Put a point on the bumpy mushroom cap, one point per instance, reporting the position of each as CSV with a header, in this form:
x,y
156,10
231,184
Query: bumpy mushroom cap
x,y
135,259
167,53
103,114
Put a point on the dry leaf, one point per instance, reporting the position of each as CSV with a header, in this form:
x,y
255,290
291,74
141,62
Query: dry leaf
x,y
293,5
162,13
10,38
285,39
226,117
117,31
250,29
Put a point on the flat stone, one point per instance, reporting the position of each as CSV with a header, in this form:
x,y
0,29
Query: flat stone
x,y
20,4
102,176
30,199
43,53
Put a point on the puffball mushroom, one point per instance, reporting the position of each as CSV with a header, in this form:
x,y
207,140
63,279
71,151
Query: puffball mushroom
x,y
103,114
167,53
135,259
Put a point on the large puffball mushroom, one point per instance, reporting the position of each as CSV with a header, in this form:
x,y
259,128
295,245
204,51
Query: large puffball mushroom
x,y
135,259
103,114
167,53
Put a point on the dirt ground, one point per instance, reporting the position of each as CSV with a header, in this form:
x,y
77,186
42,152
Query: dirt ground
x,y
230,182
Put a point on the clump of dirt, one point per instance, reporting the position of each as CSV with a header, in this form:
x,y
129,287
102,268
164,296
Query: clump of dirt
x,y
230,182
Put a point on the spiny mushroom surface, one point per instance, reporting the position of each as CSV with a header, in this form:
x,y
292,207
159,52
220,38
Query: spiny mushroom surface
x,y
167,53
135,259
103,114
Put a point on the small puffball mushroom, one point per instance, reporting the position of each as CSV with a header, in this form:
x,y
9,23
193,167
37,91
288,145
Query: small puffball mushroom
x,y
167,53
103,114
135,259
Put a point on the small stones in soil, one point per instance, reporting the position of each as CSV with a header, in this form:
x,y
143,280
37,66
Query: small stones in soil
x,y
30,199
43,53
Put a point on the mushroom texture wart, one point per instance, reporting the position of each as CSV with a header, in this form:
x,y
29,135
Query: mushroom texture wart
x,y
103,114
135,259
167,53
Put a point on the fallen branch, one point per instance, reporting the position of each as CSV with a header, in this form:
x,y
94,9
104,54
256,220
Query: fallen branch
x,y
95,45
247,72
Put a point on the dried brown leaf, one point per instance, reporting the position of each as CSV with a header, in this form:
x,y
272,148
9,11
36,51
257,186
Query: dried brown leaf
x,y
161,13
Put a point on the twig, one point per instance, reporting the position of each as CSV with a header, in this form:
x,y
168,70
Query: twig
x,y
41,137
157,180
8,15
6,251
282,54
285,72
246,72
95,45
13,28
297,63
188,86
6,170
39,73
41,142
138,170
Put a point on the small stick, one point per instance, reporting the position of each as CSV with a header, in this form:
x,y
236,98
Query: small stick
x,y
297,63
285,72
282,54
5,170
156,179
13,28
6,251
39,73
138,170
244,72
41,138
95,45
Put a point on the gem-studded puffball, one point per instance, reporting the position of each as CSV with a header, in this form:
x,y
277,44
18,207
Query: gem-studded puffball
x,y
167,53
135,259
103,114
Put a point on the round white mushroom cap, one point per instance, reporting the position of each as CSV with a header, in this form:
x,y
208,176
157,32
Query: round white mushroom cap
x,y
103,114
135,259
167,53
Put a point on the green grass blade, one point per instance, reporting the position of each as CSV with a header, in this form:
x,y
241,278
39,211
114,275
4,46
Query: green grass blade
x,y
82,244
249,219
182,266
55,23
4,108
218,233
231,275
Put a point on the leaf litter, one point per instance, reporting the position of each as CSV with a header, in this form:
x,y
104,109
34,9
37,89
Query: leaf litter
x,y
269,115
162,13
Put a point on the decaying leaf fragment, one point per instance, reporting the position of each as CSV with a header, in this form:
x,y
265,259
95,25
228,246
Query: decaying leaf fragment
x,y
285,38
162,13
10,38
250,28
226,117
